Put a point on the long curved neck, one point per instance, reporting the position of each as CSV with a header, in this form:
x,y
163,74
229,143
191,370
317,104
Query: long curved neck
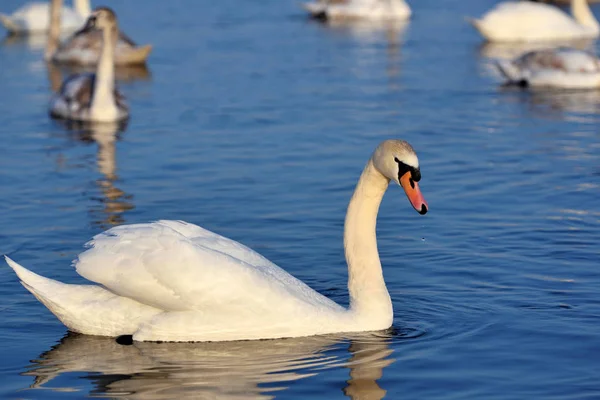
x,y
54,33
369,297
83,7
583,14
103,100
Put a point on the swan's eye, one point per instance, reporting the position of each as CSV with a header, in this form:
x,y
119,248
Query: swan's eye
x,y
415,173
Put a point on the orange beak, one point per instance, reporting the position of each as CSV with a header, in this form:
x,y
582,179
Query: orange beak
x,y
414,193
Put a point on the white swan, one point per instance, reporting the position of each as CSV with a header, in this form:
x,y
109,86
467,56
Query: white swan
x,y
558,68
93,97
174,281
34,18
527,21
359,9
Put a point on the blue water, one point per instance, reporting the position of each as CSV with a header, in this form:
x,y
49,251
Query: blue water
x,y
255,122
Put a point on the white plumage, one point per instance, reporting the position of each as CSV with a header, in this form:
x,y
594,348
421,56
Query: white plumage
x,y
527,21
558,68
35,18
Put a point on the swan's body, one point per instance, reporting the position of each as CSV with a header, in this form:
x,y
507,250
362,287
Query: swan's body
x,y
359,9
34,18
84,47
559,68
175,281
93,97
527,21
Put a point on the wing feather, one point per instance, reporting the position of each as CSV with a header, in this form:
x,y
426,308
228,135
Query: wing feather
x,y
177,266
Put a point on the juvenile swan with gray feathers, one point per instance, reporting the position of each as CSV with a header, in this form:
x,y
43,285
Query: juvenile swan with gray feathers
x,y
175,281
563,68
93,97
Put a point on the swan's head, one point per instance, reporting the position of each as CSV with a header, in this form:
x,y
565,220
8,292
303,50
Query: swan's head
x,y
101,18
397,160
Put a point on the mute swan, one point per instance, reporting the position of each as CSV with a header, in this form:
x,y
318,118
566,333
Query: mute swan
x,y
93,97
359,9
559,68
175,281
84,46
526,21
34,18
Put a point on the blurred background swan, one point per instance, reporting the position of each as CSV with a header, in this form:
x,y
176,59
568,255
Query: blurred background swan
x,y
529,21
35,18
234,370
553,68
359,9
88,97
85,46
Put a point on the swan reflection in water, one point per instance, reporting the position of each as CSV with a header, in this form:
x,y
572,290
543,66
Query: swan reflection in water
x,y
369,34
113,201
225,370
553,103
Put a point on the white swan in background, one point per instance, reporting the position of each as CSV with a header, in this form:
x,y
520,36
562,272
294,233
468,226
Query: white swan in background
x,y
557,68
175,281
93,97
359,9
527,21
34,18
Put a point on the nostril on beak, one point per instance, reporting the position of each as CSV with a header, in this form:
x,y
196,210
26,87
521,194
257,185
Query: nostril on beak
x,y
423,209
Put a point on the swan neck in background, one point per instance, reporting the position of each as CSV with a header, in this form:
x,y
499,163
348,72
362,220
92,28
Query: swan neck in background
x,y
369,297
103,101
54,32
83,7
581,11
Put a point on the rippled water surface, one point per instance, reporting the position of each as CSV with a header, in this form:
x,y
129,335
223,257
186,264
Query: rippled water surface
x,y
255,122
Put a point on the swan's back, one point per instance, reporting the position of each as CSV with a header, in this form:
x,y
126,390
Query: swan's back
x,y
84,47
176,266
563,67
565,59
524,21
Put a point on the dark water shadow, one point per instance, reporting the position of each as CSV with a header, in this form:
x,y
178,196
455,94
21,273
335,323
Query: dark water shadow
x,y
392,33
243,369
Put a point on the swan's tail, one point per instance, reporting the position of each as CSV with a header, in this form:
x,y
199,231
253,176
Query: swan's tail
x,y
44,289
473,21
9,24
511,72
480,26
86,309
134,56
